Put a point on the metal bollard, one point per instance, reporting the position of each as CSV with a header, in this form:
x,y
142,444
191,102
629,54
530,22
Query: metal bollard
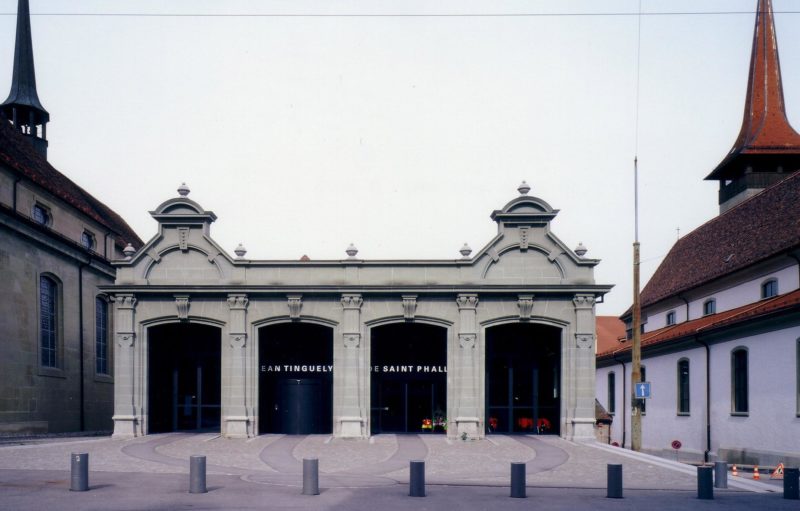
x,y
518,480
720,474
197,474
310,476
705,486
614,481
79,471
791,483
416,480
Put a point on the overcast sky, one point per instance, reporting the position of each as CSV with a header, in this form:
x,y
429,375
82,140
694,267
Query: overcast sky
x,y
401,134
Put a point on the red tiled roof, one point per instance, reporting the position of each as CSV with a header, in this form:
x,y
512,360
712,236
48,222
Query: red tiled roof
x,y
18,154
747,312
610,329
763,226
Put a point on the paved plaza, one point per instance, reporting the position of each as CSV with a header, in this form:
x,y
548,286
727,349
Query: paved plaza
x,y
266,473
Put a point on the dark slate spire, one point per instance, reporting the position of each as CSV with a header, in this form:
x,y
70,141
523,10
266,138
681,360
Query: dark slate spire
x,y
768,148
22,107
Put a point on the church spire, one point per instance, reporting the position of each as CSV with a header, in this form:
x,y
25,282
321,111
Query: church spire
x,y
768,148
22,107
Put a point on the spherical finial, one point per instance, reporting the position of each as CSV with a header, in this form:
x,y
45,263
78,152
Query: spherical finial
x,y
351,251
465,251
581,250
128,251
183,190
524,188
240,251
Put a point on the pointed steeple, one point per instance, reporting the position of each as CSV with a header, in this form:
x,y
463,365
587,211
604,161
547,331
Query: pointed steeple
x,y
768,148
22,107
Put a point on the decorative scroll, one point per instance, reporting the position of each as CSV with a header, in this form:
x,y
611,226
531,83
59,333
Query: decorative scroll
x,y
183,238
182,304
409,307
295,303
525,304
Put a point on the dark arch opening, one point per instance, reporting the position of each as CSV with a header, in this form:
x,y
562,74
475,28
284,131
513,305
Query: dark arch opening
x,y
184,386
295,379
408,373
523,379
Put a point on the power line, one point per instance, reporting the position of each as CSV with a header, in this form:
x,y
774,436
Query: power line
x,y
389,15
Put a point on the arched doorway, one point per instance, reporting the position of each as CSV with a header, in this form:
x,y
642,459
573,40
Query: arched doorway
x,y
408,372
183,377
295,378
523,378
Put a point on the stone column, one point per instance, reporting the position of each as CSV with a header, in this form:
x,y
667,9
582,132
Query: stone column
x,y
348,369
583,364
466,373
236,420
126,422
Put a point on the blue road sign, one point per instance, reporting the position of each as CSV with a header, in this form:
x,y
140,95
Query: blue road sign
x,y
642,390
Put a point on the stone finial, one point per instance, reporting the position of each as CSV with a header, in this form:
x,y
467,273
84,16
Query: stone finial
x,y
128,251
524,188
465,251
240,251
183,190
581,249
351,251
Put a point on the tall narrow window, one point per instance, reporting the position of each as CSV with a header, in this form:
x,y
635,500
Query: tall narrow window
x,y
683,387
101,336
612,393
40,215
48,322
769,289
670,318
739,381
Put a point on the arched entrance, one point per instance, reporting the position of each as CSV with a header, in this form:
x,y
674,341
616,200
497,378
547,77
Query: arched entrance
x,y
295,379
523,378
184,377
408,372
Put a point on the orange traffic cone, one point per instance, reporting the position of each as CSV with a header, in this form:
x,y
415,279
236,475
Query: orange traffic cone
x,y
734,472
756,477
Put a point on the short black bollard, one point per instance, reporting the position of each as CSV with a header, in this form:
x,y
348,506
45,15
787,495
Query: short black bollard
x,y
197,474
791,483
416,480
310,476
705,483
614,481
518,480
79,471
720,474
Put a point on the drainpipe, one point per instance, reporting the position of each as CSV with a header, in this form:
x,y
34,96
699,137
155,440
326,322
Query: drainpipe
x,y
624,426
708,397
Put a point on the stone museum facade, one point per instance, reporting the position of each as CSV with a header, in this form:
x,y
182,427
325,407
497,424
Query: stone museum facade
x,y
500,340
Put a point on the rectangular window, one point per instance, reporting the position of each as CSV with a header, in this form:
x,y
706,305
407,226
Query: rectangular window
x,y
670,318
48,322
709,307
612,393
683,387
101,336
739,381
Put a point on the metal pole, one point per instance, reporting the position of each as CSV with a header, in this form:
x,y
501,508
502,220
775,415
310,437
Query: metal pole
x,y
791,483
518,480
310,476
705,486
720,474
79,471
197,474
416,480
614,481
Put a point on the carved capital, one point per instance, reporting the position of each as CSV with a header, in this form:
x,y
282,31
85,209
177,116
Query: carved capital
x,y
352,301
409,307
467,301
182,304
525,304
584,340
238,340
125,301
125,339
352,340
584,301
295,303
523,238
183,238
467,340
237,302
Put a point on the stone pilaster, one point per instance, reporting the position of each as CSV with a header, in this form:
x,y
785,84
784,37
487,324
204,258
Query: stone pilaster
x,y
466,378
583,365
348,370
237,421
127,423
